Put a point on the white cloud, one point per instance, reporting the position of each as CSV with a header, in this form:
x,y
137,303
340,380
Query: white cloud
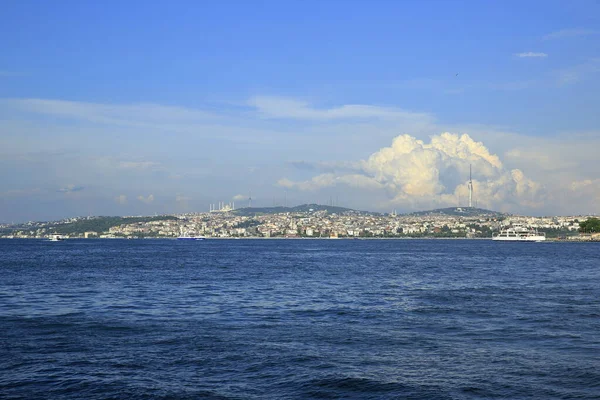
x,y
417,174
70,189
563,164
566,33
544,158
531,54
239,197
71,118
117,114
319,181
281,107
146,200
121,199
327,180
434,175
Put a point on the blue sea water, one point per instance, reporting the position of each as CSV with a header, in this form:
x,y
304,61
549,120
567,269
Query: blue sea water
x,y
299,319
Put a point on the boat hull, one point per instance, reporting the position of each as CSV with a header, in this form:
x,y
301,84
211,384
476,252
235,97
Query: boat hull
x,y
520,239
519,233
57,238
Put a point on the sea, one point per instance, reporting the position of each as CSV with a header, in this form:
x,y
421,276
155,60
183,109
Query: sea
x,y
299,319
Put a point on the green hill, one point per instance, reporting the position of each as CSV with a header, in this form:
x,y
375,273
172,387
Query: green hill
x,y
100,224
460,211
304,208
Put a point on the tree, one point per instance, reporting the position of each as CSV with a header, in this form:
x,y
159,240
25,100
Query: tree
x,y
590,225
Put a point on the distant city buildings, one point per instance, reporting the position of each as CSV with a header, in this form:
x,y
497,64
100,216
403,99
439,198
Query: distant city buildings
x,y
223,222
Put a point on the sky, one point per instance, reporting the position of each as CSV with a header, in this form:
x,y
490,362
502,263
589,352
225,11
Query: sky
x,y
143,108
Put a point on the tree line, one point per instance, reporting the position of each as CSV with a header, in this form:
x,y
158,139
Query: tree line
x,y
591,225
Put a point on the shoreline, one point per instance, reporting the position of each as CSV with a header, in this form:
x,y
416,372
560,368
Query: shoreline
x,y
553,240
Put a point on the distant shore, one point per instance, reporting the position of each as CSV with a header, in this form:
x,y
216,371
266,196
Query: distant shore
x,y
554,240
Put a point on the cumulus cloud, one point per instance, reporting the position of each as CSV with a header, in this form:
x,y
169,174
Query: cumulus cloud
x,y
330,132
239,197
417,174
531,54
146,200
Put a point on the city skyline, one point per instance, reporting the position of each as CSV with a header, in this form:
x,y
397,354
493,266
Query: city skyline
x,y
119,109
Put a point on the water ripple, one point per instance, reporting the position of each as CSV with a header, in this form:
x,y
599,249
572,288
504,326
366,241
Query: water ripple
x,y
244,319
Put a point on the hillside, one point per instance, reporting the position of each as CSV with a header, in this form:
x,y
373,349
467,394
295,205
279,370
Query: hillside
x,y
100,224
450,211
250,211
460,211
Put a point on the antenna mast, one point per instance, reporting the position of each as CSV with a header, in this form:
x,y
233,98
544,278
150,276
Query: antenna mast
x,y
470,188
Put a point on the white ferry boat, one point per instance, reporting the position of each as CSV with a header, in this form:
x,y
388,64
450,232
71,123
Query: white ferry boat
x,y
519,233
57,238
187,236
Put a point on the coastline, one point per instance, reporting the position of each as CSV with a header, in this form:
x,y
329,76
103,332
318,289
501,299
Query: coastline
x,y
553,240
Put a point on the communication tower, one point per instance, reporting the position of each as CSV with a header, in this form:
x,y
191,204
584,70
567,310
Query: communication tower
x,y
470,188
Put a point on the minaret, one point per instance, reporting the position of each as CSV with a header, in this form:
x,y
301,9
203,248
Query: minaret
x,y
470,188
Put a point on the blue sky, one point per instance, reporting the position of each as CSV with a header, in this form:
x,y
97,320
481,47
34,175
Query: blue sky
x,y
133,107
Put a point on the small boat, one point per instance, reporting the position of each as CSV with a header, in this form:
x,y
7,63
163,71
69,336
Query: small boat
x,y
190,237
519,233
57,238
